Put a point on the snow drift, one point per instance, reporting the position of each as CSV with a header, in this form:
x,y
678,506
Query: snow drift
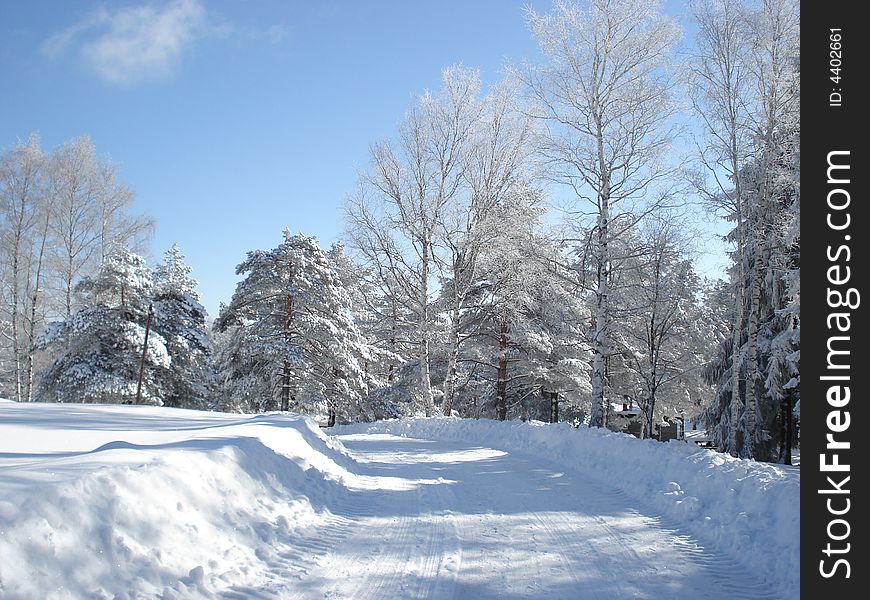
x,y
748,510
135,501
96,501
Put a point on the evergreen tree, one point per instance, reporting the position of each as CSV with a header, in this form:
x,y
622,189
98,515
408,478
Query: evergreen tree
x,y
181,320
294,344
99,348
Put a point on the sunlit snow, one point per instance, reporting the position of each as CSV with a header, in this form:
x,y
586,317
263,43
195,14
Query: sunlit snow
x,y
135,501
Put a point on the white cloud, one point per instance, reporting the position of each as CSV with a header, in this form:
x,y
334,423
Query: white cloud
x,y
276,34
134,43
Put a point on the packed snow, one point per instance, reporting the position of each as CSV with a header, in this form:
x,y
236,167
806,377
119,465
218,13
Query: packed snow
x,y
138,501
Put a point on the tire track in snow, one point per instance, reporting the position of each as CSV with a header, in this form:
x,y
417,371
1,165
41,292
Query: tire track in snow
x,y
498,526
724,577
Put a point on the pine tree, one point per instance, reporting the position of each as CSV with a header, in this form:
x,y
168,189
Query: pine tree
x,y
293,343
181,320
99,348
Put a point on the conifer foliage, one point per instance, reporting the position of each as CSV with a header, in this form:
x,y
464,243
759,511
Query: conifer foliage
x,y
293,344
99,347
181,320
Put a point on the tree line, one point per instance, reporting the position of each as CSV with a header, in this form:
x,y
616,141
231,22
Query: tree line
x,y
457,290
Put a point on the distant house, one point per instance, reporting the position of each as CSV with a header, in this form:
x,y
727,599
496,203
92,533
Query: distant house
x,y
625,418
671,428
701,438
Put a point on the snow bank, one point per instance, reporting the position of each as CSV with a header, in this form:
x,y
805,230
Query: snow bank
x,y
96,501
134,501
748,510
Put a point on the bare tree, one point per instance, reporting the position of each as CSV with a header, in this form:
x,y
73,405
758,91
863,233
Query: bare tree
x,y
497,170
90,215
73,223
604,95
403,197
23,236
663,329
746,94
720,96
61,214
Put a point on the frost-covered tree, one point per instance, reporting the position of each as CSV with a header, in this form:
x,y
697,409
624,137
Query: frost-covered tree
x,y
181,320
24,218
293,343
749,82
395,217
61,213
90,216
721,100
96,353
662,335
524,325
775,390
496,169
604,94
373,316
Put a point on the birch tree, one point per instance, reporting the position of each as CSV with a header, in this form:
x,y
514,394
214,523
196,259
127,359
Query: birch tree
x,y
91,216
497,172
662,331
394,219
604,95
747,96
720,95
23,236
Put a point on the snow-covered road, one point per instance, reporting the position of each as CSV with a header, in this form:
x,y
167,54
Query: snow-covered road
x,y
144,502
474,522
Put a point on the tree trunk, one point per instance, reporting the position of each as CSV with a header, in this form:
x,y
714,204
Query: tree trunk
x,y
391,375
144,354
501,384
286,370
427,398
602,314
602,308
16,342
735,435
452,361
753,379
31,334
554,407
785,429
68,288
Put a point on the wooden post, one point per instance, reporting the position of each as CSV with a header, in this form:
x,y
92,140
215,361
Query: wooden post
x,y
144,350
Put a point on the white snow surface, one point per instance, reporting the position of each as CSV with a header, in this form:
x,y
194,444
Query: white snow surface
x,y
148,502
748,511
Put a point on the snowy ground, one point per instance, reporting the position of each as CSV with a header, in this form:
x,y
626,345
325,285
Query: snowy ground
x,y
143,502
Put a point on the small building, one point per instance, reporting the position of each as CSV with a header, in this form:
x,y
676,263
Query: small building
x,y
625,418
671,428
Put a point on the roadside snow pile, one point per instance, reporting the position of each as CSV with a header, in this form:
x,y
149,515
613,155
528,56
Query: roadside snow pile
x,y
99,501
748,510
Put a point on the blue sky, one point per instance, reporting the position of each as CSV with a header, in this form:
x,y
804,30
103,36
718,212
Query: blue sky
x,y
235,119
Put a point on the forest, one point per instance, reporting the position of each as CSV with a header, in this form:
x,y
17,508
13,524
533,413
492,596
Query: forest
x,y
523,249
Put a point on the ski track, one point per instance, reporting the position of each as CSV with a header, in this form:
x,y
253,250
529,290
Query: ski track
x,y
472,522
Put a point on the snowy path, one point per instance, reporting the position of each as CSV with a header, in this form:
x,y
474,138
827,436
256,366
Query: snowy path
x,y
451,520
